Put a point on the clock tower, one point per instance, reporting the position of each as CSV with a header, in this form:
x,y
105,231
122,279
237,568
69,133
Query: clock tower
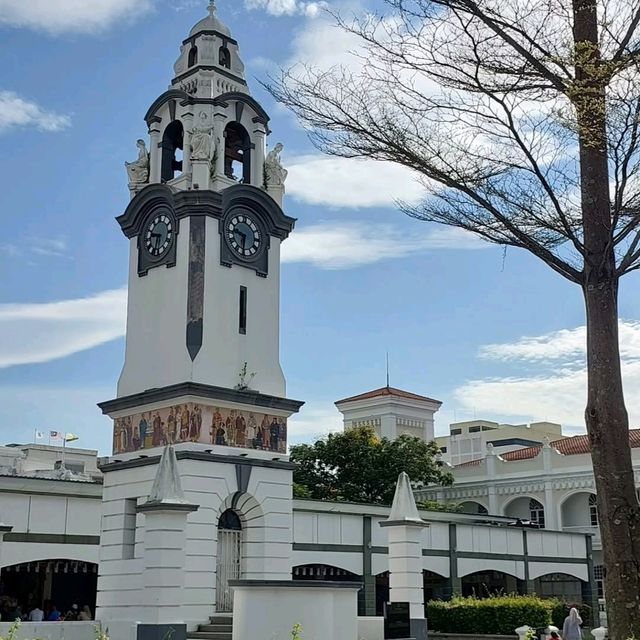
x,y
202,371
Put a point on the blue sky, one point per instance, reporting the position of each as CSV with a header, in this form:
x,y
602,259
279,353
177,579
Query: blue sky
x,y
490,335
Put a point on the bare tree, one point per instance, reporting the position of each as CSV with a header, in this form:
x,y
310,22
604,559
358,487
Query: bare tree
x,y
521,118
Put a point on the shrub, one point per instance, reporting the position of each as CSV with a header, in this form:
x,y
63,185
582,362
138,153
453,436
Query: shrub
x,y
496,615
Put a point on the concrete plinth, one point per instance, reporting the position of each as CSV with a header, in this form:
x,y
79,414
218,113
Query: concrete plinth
x,y
271,608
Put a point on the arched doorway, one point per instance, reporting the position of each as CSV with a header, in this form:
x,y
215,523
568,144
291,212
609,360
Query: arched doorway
x,y
527,509
237,153
228,558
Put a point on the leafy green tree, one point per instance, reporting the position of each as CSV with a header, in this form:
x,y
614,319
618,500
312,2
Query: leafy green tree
x,y
358,466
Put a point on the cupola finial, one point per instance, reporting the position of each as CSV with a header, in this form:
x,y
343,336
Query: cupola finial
x,y
212,8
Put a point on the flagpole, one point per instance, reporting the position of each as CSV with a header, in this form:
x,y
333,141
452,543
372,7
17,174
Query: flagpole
x,y
35,436
64,448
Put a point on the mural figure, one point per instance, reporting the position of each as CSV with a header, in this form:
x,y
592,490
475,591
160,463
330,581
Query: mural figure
x,y
172,426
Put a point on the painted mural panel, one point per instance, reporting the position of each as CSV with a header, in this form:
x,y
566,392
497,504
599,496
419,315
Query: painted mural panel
x,y
193,422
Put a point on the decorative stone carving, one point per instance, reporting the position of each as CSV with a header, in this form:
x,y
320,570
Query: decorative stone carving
x,y
138,171
201,143
274,173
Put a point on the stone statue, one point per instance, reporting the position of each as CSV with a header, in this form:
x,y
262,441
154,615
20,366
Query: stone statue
x,y
138,171
201,143
274,173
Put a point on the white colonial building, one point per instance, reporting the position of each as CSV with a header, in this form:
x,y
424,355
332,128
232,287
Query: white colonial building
x,y
549,485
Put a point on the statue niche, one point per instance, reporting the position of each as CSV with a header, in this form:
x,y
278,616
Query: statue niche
x,y
237,153
172,143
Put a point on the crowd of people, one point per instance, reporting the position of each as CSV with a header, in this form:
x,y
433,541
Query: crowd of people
x,y
10,611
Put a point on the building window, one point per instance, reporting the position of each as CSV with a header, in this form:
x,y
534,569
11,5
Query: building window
x,y
474,429
172,144
193,56
443,449
224,57
237,153
456,432
488,428
536,513
598,572
242,320
129,528
593,510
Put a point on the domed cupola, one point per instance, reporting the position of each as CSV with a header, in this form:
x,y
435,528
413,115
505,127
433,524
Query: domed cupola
x,y
209,63
211,23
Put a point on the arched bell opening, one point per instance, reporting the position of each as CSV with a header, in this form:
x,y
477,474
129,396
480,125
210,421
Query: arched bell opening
x,y
224,57
237,153
228,558
193,56
172,145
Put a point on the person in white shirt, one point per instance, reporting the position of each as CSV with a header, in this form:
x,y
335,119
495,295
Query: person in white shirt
x,y
36,615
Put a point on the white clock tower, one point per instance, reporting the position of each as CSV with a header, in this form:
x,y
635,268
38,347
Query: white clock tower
x,y
202,370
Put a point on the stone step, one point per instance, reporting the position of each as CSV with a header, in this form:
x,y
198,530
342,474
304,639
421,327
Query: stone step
x,y
216,627
222,618
209,635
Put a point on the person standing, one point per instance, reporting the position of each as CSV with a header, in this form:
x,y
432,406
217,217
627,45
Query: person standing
x,y
36,614
571,629
85,614
54,614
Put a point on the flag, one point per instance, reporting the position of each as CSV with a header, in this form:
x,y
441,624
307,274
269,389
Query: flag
x,y
56,435
39,435
70,437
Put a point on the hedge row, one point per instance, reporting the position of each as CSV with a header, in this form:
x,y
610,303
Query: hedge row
x,y
499,615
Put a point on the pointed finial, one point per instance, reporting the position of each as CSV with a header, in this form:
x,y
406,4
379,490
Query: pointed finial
x,y
166,492
404,507
212,8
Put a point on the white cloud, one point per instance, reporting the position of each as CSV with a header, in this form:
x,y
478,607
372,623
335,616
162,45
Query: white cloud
x,y
40,332
350,182
80,16
314,421
20,112
556,388
286,7
353,244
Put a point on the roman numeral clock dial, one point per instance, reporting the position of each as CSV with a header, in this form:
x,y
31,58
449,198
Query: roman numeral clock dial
x,y
243,236
158,236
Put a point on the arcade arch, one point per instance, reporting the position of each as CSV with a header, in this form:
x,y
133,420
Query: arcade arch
x,y
526,508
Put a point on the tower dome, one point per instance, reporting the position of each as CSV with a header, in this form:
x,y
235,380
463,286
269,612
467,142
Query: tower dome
x,y
211,23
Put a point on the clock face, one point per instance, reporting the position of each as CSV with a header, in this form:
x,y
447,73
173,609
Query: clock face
x,y
243,235
158,236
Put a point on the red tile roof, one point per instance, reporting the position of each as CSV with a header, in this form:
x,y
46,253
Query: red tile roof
x,y
388,391
567,446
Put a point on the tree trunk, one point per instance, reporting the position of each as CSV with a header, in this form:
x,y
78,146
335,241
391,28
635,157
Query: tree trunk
x,y
606,416
608,428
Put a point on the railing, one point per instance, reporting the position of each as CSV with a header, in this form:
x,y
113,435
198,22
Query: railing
x,y
584,528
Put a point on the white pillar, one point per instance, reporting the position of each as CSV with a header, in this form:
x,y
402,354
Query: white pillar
x,y
165,526
155,153
257,157
405,529
164,565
